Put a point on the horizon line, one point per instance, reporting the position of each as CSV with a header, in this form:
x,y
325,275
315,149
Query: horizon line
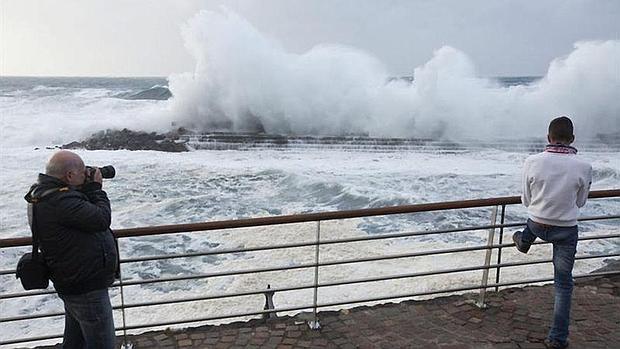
x,y
166,77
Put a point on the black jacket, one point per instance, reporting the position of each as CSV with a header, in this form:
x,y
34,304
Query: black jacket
x,y
73,228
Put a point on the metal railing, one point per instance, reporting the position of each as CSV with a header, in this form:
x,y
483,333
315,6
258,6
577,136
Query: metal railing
x,y
498,206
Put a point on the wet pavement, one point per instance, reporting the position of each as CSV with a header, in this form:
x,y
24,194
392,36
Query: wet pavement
x,y
513,318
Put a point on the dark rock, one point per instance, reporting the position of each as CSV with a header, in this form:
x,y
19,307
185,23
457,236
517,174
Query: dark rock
x,y
131,140
73,145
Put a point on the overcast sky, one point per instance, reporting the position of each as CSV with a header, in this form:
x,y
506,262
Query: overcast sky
x,y
142,37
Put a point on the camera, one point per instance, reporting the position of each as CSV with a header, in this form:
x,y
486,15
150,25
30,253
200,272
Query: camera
x,y
106,172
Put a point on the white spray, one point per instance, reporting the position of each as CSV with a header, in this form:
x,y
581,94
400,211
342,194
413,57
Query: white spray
x,y
245,81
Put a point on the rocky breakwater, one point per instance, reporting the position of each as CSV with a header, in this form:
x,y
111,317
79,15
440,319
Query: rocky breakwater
x,y
131,140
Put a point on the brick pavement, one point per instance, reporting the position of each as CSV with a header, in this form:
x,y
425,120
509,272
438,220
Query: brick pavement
x,y
514,318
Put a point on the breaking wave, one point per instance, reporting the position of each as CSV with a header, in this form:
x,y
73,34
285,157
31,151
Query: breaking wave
x,y
246,81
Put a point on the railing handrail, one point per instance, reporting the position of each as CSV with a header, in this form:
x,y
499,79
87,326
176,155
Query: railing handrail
x,y
312,217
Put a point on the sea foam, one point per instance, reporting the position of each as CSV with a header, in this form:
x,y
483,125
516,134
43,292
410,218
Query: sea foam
x,y
246,81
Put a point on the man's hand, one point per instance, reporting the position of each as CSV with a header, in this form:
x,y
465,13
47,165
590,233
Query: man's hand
x,y
97,176
93,180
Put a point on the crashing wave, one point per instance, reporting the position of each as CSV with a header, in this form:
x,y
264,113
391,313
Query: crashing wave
x,y
246,81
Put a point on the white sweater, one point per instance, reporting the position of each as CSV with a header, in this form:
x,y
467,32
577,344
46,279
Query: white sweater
x,y
555,186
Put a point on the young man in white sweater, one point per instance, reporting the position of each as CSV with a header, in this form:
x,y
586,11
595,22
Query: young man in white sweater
x,y
555,185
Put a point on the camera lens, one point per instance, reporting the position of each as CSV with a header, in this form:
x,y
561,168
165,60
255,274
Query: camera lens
x,y
107,171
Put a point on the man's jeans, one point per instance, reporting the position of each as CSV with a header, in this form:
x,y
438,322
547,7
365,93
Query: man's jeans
x,y
564,240
88,321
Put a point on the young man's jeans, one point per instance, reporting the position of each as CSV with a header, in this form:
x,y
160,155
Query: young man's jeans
x,y
564,240
88,321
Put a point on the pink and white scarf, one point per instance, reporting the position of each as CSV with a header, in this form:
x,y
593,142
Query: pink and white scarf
x,y
560,148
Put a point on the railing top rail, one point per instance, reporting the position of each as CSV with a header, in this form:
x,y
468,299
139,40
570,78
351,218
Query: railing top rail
x,y
312,217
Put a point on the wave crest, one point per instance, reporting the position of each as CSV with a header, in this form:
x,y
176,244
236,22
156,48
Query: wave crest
x,y
246,81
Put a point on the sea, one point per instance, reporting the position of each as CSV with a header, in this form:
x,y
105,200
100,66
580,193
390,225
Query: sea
x,y
249,180
355,137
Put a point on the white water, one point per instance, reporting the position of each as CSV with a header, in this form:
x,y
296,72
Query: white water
x,y
243,78
328,90
160,188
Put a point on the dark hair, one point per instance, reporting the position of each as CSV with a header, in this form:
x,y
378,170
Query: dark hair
x,y
561,129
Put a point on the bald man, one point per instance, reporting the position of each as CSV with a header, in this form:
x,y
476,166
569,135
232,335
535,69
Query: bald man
x,y
72,216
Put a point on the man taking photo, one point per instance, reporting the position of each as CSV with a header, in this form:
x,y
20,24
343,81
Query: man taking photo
x,y
73,219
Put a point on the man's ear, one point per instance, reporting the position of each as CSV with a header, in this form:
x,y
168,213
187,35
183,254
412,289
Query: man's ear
x,y
572,139
549,139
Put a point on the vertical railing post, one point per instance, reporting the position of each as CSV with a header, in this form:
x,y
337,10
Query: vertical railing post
x,y
125,344
487,261
314,324
499,251
269,305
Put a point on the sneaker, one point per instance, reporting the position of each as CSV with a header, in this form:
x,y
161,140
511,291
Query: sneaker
x,y
551,344
516,237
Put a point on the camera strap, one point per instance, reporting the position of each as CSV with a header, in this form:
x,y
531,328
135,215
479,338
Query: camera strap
x,y
33,230
32,221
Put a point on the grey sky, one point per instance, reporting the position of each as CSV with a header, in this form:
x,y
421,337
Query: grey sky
x,y
142,37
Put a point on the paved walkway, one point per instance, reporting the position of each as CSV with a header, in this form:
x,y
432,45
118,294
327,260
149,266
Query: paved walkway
x,y
514,318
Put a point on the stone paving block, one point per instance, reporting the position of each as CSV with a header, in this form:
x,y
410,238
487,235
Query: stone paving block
x,y
258,341
262,329
528,345
350,322
228,339
263,334
145,343
161,337
211,341
289,341
506,346
230,332
185,343
293,334
304,344
195,336
212,334
320,341
518,338
340,341
274,340
475,320
536,336
454,346
166,342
